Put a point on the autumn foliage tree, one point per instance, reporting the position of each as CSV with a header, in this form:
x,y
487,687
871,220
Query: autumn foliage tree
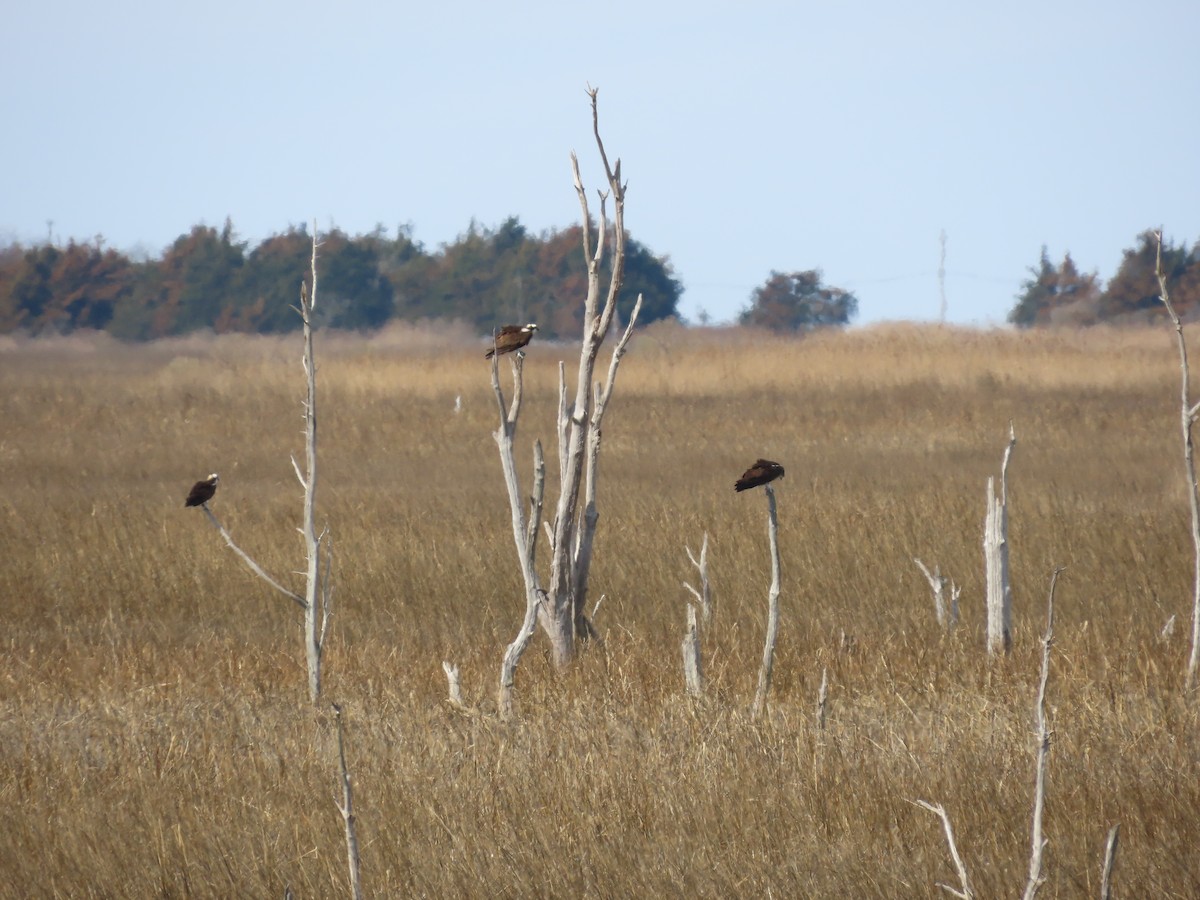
x,y
209,279
53,289
1056,295
798,301
1061,295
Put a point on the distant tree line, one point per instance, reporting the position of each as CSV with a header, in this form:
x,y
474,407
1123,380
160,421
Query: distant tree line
x,y
1062,295
208,279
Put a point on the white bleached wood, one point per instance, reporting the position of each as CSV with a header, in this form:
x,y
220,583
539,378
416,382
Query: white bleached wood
x,y
1037,840
346,807
693,673
1187,418
249,561
768,659
995,554
947,616
317,602
964,892
571,528
1110,860
704,594
454,682
522,538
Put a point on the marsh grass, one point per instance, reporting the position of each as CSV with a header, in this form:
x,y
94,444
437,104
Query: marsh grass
x,y
155,738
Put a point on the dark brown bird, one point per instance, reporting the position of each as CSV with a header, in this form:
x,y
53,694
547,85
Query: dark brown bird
x,y
202,491
762,472
509,338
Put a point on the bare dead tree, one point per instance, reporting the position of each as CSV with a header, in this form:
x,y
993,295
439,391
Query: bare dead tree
x,y
768,659
318,595
1187,417
1038,841
345,806
317,601
704,594
560,608
995,555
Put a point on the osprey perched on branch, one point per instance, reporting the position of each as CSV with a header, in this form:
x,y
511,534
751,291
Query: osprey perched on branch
x,y
762,472
202,491
508,338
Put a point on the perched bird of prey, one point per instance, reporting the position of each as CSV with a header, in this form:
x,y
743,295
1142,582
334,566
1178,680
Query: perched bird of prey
x,y
509,338
202,491
762,472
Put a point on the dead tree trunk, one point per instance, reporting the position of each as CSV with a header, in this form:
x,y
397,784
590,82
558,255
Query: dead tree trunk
x,y
571,535
693,672
318,590
768,660
995,555
1187,418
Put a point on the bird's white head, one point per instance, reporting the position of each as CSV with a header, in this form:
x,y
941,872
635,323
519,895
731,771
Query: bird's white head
x,y
531,327
214,478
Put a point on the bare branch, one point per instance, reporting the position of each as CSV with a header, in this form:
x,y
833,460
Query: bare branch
x,y
965,892
704,595
299,474
246,558
937,583
524,542
591,515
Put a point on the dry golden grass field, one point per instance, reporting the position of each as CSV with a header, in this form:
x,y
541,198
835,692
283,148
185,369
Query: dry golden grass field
x,y
155,734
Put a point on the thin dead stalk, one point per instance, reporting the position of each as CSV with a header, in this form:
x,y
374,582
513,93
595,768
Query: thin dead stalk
x,y
1038,841
345,806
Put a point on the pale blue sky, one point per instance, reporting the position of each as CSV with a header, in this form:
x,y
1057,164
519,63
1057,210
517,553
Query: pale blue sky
x,y
755,137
